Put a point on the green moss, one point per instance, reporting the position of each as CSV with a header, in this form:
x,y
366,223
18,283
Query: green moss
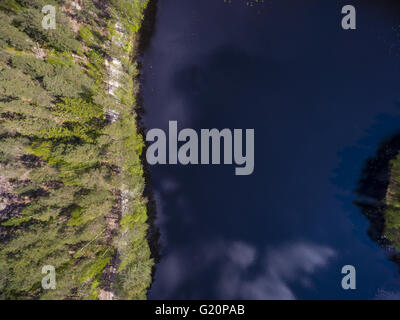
x,y
15,222
87,36
96,267
64,59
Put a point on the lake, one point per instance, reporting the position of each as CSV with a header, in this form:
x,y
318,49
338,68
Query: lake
x,y
320,100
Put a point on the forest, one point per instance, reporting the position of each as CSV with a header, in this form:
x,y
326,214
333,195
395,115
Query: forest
x,y
392,205
72,180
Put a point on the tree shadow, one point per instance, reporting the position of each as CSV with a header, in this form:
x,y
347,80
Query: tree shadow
x,y
148,27
153,234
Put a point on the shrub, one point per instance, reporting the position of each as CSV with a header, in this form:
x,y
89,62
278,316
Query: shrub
x,y
35,67
68,82
29,20
87,36
78,110
16,85
11,36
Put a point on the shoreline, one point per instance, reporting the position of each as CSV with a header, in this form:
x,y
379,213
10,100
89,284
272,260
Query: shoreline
x,y
154,233
375,193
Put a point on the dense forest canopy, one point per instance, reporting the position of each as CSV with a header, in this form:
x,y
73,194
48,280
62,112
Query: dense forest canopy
x,y
72,179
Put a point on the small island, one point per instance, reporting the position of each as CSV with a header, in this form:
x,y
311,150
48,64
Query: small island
x,y
379,193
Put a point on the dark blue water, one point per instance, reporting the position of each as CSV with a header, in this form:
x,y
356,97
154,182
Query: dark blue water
x,y
320,99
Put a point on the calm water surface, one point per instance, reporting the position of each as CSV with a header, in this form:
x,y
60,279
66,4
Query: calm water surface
x,y
320,99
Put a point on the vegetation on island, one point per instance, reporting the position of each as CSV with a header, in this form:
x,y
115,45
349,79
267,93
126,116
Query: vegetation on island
x,y
379,196
392,205
71,177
